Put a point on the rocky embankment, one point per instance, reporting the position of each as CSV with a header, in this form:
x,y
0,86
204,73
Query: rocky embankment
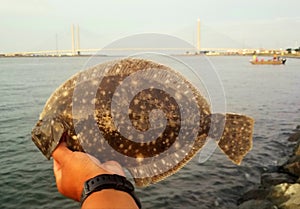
x,y
278,189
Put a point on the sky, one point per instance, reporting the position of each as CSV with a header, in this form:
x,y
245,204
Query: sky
x,y
33,25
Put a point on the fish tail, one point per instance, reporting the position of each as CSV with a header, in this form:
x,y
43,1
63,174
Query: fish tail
x,y
236,139
233,134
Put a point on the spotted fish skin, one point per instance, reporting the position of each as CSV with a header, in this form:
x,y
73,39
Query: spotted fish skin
x,y
55,121
236,141
233,134
87,113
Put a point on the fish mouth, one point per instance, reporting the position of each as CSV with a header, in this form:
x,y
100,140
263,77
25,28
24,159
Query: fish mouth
x,y
39,145
34,136
47,134
43,147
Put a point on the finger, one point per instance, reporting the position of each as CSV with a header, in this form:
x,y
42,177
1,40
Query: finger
x,y
57,173
56,167
61,153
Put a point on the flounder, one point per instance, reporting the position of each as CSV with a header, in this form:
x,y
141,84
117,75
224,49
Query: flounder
x,y
143,114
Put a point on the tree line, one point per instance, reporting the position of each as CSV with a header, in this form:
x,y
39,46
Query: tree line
x,y
289,50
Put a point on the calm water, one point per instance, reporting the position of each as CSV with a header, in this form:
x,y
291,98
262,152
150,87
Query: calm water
x,y
270,94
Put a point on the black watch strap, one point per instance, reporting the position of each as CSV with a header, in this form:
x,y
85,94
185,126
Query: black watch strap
x,y
109,181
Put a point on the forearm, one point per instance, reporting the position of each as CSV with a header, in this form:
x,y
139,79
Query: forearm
x,y
109,199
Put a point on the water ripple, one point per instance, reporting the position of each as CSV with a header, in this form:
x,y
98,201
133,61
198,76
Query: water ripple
x,y
25,85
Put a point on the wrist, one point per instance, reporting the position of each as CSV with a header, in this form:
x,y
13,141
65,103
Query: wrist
x,y
112,182
81,182
109,198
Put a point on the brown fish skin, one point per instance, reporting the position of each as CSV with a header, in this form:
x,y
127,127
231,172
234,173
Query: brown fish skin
x,y
56,121
233,134
66,116
236,140
50,131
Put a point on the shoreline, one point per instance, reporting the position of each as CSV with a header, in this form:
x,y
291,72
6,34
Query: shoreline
x,y
100,55
280,188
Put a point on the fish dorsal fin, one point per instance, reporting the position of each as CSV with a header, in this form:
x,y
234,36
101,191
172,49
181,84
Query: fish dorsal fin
x,y
236,139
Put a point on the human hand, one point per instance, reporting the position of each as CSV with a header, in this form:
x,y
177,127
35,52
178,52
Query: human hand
x,y
72,169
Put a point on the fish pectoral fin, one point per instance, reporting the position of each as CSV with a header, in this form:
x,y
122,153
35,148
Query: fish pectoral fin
x,y
236,140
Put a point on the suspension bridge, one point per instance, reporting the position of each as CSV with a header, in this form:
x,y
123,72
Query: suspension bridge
x,y
76,50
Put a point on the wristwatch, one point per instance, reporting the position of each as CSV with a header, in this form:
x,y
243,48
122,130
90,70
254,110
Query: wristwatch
x,y
109,181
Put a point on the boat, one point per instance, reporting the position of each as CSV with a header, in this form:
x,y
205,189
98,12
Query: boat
x,y
280,61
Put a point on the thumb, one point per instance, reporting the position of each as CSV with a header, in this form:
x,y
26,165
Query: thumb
x,y
57,173
61,153
57,170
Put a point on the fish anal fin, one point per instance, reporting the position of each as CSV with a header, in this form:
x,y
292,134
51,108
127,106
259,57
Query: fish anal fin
x,y
142,182
236,140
